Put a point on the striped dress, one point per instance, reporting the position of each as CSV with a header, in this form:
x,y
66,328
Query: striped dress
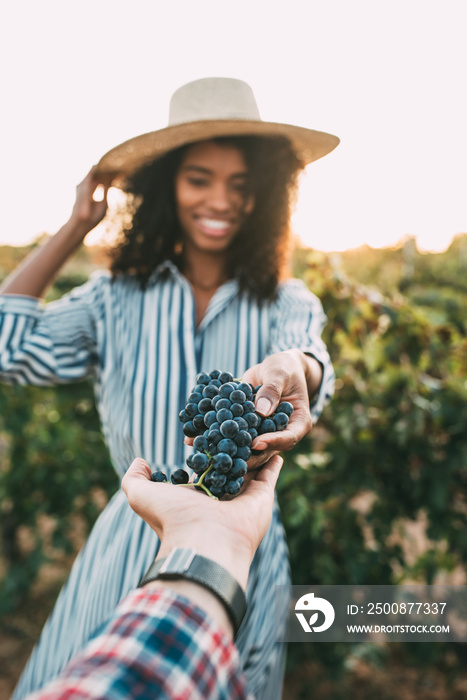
x,y
143,350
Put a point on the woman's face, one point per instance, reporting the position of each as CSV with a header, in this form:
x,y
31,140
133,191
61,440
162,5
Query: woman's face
x,y
210,194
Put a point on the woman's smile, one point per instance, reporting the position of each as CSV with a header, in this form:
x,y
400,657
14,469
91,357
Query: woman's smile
x,y
214,227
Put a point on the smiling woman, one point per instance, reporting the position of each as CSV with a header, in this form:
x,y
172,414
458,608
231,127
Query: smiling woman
x,y
197,282
220,207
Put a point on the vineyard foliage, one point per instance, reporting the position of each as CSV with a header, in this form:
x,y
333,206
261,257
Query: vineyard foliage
x,y
387,459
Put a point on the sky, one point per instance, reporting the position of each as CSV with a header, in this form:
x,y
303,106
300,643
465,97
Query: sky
x,y
387,77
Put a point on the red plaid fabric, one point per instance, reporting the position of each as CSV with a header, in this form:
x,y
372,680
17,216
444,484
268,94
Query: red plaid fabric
x,y
156,645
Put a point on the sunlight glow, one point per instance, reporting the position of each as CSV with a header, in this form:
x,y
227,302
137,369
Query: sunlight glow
x,y
385,77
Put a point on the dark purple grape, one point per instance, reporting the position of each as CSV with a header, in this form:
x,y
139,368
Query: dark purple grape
x,y
285,407
214,435
217,479
199,462
222,462
226,390
200,443
228,446
243,439
225,377
267,426
241,422
198,422
210,391
158,476
217,491
237,409
237,396
214,374
203,378
179,476
210,418
189,429
224,414
281,420
229,429
248,407
239,468
243,453
207,480
191,409
247,390
205,405
232,486
252,420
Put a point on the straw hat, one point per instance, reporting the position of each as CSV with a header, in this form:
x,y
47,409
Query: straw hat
x,y
205,109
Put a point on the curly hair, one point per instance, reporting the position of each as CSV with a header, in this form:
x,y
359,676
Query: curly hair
x,y
150,232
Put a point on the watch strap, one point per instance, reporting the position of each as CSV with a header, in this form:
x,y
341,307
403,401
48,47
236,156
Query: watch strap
x,y
186,564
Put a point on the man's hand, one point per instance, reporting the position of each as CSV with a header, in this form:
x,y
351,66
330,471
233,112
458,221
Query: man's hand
x,y
227,531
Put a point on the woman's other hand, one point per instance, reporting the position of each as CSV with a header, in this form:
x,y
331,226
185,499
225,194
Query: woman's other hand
x,y
91,202
37,272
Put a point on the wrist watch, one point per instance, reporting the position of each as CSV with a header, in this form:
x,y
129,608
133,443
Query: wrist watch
x,y
187,565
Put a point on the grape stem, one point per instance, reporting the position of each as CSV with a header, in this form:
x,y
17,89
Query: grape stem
x,y
205,488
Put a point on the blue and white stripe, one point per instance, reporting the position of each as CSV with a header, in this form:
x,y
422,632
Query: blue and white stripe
x,y
143,351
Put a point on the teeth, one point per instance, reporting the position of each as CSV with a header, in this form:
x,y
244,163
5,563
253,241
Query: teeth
x,y
214,224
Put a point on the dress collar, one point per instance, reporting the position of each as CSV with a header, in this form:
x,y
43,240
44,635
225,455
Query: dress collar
x,y
165,265
222,297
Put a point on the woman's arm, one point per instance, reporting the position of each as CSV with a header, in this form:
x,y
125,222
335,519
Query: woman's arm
x,y
34,276
284,376
298,369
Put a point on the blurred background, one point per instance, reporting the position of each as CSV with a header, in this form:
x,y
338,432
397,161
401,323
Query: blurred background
x,y
377,494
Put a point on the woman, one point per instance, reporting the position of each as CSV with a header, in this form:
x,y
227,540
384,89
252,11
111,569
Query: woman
x,y
197,283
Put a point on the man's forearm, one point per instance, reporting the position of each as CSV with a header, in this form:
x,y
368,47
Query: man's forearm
x,y
226,549
199,596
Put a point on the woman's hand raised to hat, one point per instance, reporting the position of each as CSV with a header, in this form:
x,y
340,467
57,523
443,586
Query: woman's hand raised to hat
x,y
91,203
36,273
285,376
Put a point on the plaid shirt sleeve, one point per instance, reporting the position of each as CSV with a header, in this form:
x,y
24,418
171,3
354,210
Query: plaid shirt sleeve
x,y
156,645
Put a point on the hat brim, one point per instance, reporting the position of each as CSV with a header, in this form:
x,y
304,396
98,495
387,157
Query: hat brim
x,y
128,157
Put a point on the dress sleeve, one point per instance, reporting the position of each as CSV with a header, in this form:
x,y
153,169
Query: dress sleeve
x,y
53,343
298,323
156,645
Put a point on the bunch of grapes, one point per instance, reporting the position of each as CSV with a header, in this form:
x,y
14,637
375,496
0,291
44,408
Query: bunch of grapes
x,y
220,415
